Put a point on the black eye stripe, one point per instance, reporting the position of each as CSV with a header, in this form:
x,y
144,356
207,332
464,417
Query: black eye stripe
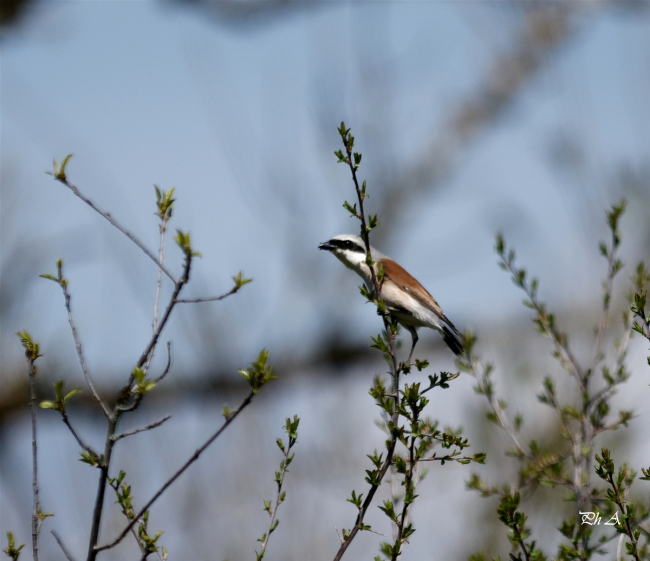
x,y
347,244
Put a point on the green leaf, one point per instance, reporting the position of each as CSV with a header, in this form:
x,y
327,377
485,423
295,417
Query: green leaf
x,y
239,280
183,241
138,374
31,347
70,394
259,372
11,550
226,412
59,169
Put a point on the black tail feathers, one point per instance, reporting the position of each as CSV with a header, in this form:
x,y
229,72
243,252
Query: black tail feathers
x,y
453,340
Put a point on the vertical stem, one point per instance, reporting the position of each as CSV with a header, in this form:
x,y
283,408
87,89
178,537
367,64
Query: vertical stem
x,y
394,369
156,303
36,521
101,487
408,490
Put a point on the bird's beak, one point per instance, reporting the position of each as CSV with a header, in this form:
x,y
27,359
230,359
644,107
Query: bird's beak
x,y
326,245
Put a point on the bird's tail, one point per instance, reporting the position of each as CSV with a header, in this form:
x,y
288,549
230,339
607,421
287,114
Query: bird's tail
x,y
452,338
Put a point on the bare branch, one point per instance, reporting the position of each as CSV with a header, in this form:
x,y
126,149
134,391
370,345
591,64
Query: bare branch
x,y
174,477
117,225
60,542
142,429
36,509
82,359
169,363
234,290
161,259
172,302
84,446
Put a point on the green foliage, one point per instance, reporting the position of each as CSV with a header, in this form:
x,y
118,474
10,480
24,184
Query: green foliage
x,y
59,278
183,241
401,408
143,385
11,550
226,412
59,399
291,428
164,203
31,346
146,541
58,171
90,458
631,514
259,372
641,323
509,513
240,280
582,419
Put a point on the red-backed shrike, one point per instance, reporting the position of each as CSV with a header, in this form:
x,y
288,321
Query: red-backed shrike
x,y
406,299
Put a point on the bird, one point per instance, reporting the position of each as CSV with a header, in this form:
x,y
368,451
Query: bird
x,y
407,301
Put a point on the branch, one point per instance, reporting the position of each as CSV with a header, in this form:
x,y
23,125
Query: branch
x,y
63,283
127,511
366,503
60,542
614,265
85,447
234,290
485,387
36,509
174,477
117,225
169,363
141,429
178,286
292,432
544,320
348,142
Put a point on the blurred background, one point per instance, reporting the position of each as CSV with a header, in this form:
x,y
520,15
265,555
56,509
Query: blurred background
x,y
473,117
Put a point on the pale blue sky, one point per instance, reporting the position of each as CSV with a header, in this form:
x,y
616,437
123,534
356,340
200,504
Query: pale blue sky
x,y
241,120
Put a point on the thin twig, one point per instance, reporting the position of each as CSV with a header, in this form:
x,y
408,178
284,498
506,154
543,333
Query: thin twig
x,y
169,363
503,420
174,477
81,443
60,542
82,359
36,509
612,269
178,286
117,225
142,429
161,259
564,354
116,488
606,392
209,298
273,514
408,477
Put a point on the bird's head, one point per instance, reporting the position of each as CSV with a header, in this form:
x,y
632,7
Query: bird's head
x,y
350,250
